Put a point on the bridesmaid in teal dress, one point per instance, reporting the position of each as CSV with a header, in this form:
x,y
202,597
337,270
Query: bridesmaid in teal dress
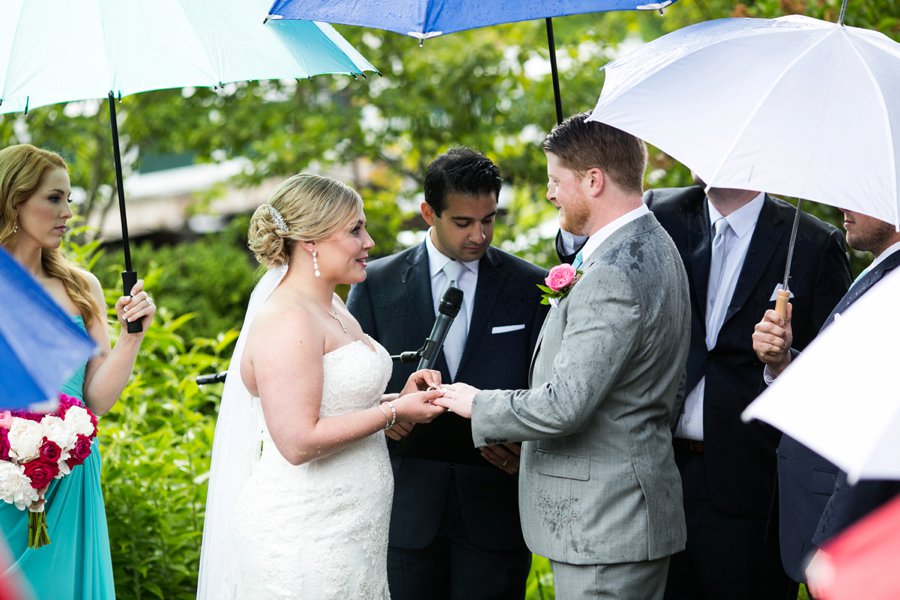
x,y
34,209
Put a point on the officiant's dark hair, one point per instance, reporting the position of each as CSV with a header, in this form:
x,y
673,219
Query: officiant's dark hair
x,y
582,145
460,170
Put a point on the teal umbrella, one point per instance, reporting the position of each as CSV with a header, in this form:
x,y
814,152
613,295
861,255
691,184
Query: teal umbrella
x,y
129,46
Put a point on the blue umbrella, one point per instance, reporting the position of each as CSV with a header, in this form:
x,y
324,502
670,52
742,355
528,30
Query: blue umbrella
x,y
40,345
424,19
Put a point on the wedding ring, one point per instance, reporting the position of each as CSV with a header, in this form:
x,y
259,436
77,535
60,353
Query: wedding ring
x,y
505,462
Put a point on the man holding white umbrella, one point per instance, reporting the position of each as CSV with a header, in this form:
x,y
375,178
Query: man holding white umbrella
x,y
811,516
733,244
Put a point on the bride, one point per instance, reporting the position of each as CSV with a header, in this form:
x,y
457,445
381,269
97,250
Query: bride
x,y
307,516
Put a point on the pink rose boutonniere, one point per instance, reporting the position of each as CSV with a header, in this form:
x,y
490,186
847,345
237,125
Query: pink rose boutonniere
x,y
560,281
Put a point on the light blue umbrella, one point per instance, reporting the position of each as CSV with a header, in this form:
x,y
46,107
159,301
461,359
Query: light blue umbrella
x,y
40,345
425,19
124,47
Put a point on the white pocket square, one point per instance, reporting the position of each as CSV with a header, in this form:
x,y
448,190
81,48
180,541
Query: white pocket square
x,y
508,328
775,292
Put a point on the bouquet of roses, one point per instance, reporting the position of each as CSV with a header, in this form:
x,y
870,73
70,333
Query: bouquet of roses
x,y
35,449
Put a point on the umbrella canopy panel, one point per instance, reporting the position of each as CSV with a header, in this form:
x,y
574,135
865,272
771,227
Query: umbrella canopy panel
x,y
792,106
40,345
80,49
429,18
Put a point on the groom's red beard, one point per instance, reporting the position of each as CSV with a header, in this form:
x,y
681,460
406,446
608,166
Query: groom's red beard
x,y
574,219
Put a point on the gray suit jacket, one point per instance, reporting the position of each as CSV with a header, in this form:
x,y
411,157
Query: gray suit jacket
x,y
600,485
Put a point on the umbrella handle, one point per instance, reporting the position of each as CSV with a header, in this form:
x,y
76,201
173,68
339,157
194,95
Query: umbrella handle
x,y
781,301
129,279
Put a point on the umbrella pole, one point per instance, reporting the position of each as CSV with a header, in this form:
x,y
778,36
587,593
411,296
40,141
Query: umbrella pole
x,y
554,71
129,277
784,294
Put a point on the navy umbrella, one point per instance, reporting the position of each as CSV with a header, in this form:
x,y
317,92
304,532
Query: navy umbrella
x,y
425,19
40,345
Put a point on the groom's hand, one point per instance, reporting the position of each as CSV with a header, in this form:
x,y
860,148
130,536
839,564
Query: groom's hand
x,y
503,456
399,431
458,398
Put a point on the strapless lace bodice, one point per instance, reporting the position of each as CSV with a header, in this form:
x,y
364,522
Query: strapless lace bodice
x,y
319,530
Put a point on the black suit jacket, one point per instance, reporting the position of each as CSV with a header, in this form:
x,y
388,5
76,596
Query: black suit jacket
x,y
740,457
394,305
816,502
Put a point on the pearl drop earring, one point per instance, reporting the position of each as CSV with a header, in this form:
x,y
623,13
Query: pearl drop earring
x,y
315,264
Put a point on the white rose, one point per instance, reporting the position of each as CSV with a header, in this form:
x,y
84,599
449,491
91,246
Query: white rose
x,y
25,439
78,421
15,488
56,430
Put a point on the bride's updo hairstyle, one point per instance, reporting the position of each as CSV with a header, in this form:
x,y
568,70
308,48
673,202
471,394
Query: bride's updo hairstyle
x,y
306,208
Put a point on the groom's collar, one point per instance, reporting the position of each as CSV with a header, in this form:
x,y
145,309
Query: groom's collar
x,y
602,234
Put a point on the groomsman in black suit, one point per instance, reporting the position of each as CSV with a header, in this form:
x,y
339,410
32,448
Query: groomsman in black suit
x,y
734,246
816,501
455,530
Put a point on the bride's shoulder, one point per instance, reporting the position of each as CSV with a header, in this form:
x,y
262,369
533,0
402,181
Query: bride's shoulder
x,y
280,323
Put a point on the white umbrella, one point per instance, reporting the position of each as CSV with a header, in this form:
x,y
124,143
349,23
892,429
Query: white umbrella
x,y
840,396
59,51
793,106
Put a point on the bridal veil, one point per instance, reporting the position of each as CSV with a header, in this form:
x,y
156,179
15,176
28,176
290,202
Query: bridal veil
x,y
235,449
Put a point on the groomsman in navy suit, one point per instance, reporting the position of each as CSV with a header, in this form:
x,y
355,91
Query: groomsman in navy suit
x,y
734,247
816,502
455,530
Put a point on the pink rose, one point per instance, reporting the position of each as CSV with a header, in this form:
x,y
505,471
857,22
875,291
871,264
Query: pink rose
x,y
560,277
5,419
50,451
40,473
80,452
66,402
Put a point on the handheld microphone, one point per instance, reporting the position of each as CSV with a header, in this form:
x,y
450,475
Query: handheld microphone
x,y
447,311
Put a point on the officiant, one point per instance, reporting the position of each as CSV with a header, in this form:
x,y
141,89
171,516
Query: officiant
x,y
455,520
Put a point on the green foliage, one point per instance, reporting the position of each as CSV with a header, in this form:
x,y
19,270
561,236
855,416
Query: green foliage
x,y
156,445
540,580
209,279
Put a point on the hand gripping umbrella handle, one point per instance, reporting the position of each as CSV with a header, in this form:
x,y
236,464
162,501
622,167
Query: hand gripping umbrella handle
x,y
129,278
781,301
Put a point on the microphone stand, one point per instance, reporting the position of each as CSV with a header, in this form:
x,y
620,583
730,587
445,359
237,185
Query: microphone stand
x,y
409,356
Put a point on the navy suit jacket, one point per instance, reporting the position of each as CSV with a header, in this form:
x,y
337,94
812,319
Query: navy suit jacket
x,y
740,457
815,502
394,305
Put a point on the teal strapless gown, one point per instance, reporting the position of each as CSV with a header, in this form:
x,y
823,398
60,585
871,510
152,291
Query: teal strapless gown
x,y
77,563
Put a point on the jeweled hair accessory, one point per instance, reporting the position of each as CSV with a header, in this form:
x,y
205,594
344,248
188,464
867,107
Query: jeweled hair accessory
x,y
276,216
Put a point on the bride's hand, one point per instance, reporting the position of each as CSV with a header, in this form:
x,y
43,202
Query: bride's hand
x,y
426,379
417,407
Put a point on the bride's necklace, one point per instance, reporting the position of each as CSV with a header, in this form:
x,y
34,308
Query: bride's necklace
x,y
333,314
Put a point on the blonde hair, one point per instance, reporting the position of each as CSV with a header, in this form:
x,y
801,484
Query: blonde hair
x,y
22,171
311,208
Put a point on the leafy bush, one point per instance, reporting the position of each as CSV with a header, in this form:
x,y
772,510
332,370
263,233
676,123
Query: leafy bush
x,y
156,445
210,278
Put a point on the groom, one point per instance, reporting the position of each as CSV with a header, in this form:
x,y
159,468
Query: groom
x,y
599,493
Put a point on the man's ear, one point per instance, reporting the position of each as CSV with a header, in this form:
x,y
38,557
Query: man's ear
x,y
428,213
596,180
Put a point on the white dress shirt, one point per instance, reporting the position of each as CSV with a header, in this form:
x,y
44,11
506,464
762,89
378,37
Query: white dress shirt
x,y
468,281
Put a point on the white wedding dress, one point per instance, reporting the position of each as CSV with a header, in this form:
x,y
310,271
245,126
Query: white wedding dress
x,y
320,530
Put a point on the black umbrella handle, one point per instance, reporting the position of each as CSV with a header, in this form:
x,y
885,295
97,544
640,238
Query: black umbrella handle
x,y
129,279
